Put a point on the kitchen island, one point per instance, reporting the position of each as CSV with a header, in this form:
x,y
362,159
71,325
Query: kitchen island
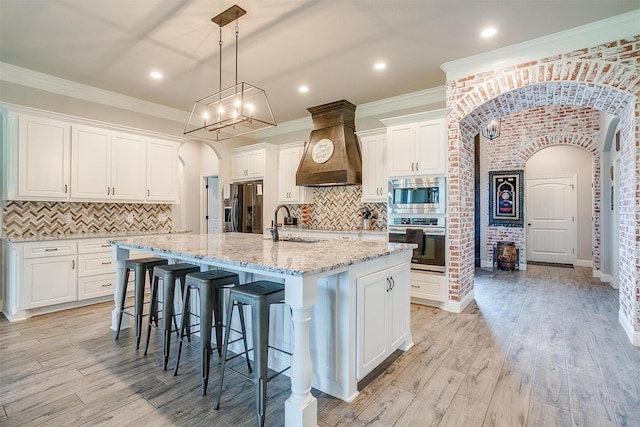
x,y
349,302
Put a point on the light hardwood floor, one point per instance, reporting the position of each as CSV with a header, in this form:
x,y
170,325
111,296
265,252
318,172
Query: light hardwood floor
x,y
537,348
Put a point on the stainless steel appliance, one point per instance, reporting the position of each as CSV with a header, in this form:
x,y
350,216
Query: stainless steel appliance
x,y
425,195
428,232
243,207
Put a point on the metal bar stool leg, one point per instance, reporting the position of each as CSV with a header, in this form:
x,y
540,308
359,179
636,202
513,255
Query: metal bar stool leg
x,y
140,272
260,331
225,347
154,308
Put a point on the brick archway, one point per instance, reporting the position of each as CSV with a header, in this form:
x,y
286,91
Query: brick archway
x,y
601,84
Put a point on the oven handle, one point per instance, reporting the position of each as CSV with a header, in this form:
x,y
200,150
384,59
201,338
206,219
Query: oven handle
x,y
427,232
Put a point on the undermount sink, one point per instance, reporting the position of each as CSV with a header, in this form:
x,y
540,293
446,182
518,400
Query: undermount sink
x,y
299,240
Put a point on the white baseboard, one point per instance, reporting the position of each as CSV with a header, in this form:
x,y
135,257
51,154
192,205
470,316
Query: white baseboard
x,y
583,263
606,278
632,334
452,306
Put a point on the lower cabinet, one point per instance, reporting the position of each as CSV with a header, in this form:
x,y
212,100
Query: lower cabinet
x,y
383,316
49,280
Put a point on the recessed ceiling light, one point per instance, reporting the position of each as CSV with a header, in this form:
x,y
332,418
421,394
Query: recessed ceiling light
x,y
380,66
156,75
488,32
303,89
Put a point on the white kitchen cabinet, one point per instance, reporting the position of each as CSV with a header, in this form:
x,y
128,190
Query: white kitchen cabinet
x,y
44,149
417,144
289,160
427,286
162,171
374,176
49,274
383,316
96,269
107,165
246,166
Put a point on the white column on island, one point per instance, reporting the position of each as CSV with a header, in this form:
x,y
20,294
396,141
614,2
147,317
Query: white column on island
x,y
301,408
120,256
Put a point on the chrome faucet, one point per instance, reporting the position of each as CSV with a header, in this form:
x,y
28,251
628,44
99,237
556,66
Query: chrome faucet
x,y
274,223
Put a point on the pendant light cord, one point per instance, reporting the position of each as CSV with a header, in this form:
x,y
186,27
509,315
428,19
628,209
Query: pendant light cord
x,y
237,31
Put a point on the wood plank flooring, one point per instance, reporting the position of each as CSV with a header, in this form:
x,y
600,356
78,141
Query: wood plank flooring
x,y
536,348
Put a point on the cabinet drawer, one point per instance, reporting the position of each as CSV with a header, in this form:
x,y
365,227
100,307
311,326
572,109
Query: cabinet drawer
x,y
93,246
427,286
48,249
96,286
93,264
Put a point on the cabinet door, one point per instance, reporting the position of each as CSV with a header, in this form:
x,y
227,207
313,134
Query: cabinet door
x,y
128,166
431,147
91,163
400,150
286,179
372,321
239,166
255,162
162,170
398,302
49,281
44,153
374,177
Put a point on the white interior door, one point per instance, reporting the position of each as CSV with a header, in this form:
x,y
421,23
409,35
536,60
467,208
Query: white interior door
x,y
551,219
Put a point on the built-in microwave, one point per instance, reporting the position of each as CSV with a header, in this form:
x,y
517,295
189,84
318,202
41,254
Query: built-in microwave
x,y
425,195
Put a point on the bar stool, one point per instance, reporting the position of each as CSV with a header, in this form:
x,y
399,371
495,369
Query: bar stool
x,y
210,286
141,268
259,296
168,274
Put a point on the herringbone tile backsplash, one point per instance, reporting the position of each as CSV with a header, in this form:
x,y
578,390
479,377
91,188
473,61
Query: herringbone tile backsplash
x,y
339,208
33,219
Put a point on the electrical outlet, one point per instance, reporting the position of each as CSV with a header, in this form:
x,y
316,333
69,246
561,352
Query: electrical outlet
x,y
130,217
162,217
67,219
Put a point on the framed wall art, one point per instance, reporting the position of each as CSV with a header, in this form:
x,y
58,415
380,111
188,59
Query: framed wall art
x,y
506,193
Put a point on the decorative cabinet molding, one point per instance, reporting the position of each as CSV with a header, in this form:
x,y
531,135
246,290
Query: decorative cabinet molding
x,y
383,318
417,144
288,191
52,157
374,170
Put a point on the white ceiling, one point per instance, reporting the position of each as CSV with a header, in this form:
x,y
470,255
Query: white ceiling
x,y
329,45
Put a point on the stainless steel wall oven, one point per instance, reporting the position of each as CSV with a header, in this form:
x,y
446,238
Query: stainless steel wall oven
x,y
428,233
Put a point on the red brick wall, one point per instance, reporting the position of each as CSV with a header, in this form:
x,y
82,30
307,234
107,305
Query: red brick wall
x,y
604,77
524,133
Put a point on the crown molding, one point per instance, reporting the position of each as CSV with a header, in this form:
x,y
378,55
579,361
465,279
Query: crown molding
x,y
383,106
606,30
36,80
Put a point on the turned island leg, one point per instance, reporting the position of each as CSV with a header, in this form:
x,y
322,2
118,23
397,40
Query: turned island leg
x,y
301,408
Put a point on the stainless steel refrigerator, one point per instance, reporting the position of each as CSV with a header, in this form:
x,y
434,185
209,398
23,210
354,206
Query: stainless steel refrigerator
x,y
243,207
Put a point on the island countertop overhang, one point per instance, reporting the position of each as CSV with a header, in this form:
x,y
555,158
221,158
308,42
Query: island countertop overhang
x,y
255,252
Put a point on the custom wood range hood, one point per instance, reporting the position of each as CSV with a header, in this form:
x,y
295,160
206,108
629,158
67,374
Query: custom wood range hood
x,y
332,155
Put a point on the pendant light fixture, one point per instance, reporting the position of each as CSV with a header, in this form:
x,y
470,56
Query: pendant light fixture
x,y
236,110
492,129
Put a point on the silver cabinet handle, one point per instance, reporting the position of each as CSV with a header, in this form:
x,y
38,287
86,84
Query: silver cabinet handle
x,y
65,189
73,264
106,263
107,285
417,168
415,286
148,192
50,249
412,170
113,191
106,245
108,191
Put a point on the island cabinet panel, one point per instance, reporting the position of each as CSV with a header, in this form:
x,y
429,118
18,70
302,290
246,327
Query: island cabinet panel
x,y
383,316
44,148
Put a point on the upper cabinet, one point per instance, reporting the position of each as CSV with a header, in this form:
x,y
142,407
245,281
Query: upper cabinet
x,y
43,159
54,160
289,160
162,170
107,165
248,166
417,144
374,176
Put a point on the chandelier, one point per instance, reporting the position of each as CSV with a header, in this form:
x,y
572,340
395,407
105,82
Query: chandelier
x,y
492,129
236,110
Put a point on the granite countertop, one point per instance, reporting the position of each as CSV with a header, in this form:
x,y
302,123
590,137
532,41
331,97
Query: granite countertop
x,y
49,237
297,228
253,251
